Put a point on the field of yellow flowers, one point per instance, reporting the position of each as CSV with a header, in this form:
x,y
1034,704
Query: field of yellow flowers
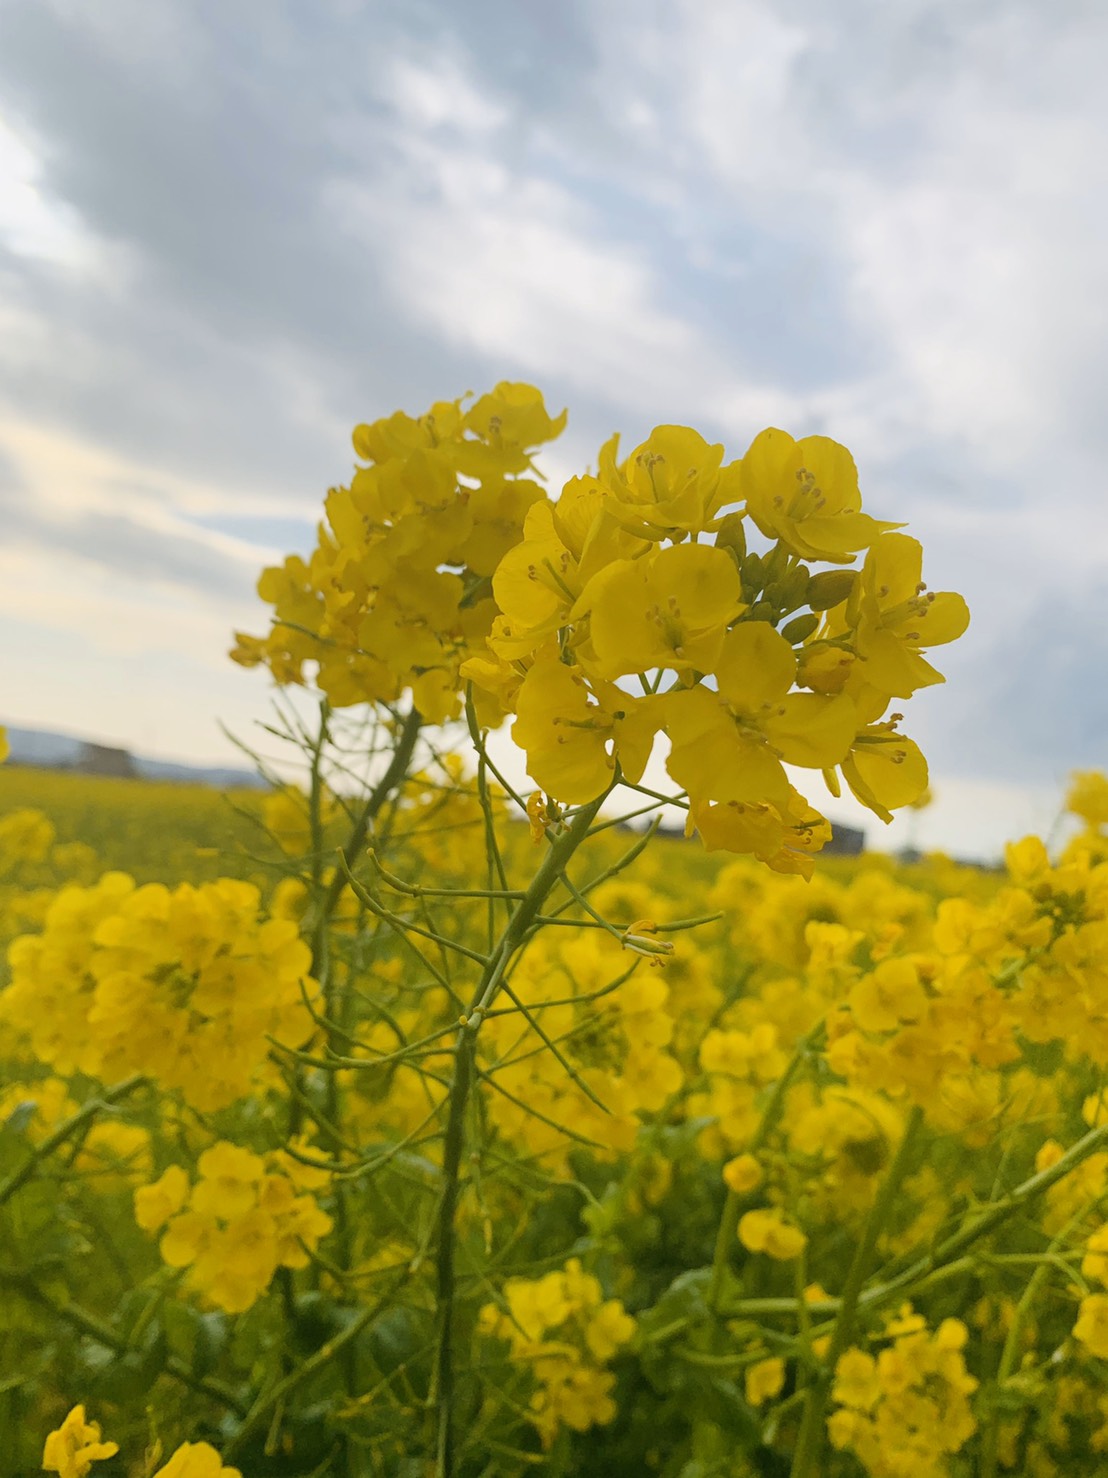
x,y
398,1122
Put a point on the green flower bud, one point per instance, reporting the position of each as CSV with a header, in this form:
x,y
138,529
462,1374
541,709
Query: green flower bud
x,y
775,594
764,610
732,536
777,562
795,588
830,588
800,628
753,572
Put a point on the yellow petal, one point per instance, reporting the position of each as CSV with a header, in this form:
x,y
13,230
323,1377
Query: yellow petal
x,y
944,619
887,774
756,667
813,730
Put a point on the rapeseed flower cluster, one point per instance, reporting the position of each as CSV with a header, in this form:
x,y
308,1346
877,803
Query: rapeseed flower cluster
x,y
186,984
634,606
905,1412
243,1217
614,1027
395,595
562,1330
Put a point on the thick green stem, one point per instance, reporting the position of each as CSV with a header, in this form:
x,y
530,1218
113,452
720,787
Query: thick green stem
x,y
808,1456
488,987
382,791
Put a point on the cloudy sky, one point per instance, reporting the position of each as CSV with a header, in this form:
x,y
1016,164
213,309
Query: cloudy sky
x,y
230,229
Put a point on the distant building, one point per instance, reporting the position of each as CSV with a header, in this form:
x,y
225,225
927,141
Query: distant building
x,y
846,841
102,759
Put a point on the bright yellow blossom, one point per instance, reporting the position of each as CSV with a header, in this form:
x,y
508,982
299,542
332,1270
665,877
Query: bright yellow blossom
x,y
767,1231
806,494
765,1380
732,744
72,1448
196,1460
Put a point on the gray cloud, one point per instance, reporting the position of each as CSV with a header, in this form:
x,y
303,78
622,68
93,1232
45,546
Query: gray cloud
x,y
1033,704
136,552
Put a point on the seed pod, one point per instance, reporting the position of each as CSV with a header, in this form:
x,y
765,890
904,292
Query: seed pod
x,y
830,588
800,628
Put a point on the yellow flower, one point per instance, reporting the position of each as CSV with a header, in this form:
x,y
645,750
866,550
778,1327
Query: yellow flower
x,y
513,415
71,1450
889,995
186,1238
155,1204
196,1460
764,1380
767,1231
743,1174
884,769
609,1328
669,609
674,483
536,1307
1087,796
230,1180
785,840
896,616
584,1399
856,1382
566,735
732,745
535,584
805,493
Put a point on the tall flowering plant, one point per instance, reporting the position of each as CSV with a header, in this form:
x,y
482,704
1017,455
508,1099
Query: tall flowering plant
x,y
477,1129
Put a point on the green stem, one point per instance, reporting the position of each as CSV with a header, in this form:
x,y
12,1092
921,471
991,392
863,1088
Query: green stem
x,y
809,1446
1009,1355
303,1372
989,1219
72,1126
393,776
80,1319
515,932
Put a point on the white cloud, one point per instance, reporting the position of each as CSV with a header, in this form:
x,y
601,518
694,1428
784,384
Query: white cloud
x,y
435,92
32,224
497,258
61,477
947,166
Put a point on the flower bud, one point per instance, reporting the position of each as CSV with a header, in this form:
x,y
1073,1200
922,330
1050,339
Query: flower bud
x,y
777,562
800,628
753,572
732,536
794,588
830,588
